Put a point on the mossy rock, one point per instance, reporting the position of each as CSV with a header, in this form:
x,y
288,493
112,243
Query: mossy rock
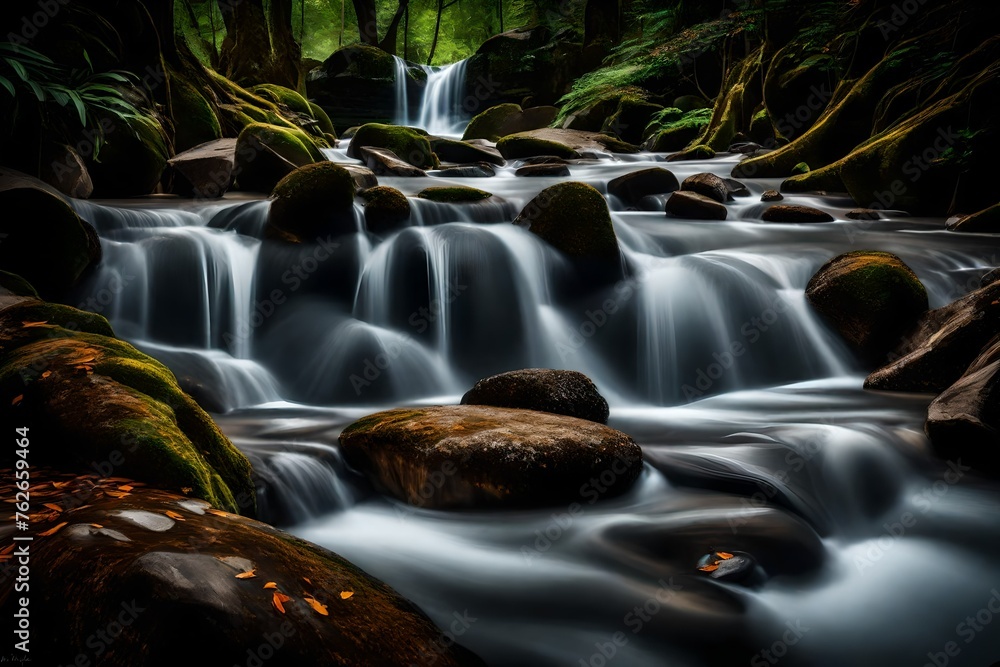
x,y
800,168
870,297
677,134
985,221
487,125
409,144
560,392
96,401
194,118
132,159
386,209
630,119
573,218
312,201
688,103
497,457
45,241
266,153
454,194
762,129
516,146
325,124
284,96
165,564
699,152
17,285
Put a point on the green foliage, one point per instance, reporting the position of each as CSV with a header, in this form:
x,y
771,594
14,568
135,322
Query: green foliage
x,y
67,96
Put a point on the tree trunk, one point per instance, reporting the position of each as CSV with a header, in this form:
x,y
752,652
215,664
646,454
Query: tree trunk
x,y
246,51
437,30
367,21
388,43
287,52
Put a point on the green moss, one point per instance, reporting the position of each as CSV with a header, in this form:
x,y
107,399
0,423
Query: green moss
x,y
385,208
409,144
281,95
325,124
517,146
454,194
574,218
660,120
313,200
761,128
800,168
487,124
194,118
132,160
699,152
293,145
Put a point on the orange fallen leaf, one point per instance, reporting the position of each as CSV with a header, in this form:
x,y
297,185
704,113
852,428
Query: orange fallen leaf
x,y
317,606
723,555
60,485
306,579
270,584
53,507
709,568
250,574
125,487
186,490
117,494
96,525
53,531
28,325
7,549
346,594
216,512
174,515
17,399
46,374
278,599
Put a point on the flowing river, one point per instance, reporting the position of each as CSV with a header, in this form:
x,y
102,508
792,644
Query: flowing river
x,y
756,432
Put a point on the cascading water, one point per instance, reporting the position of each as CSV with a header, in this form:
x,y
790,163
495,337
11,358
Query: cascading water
x,y
442,111
751,416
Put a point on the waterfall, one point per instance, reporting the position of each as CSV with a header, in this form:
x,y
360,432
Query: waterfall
x,y
441,105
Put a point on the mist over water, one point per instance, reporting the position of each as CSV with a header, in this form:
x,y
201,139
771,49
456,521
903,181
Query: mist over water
x,y
756,432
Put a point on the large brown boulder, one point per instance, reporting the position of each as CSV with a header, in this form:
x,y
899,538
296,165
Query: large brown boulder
x,y
573,218
477,456
560,392
313,201
871,298
632,187
205,171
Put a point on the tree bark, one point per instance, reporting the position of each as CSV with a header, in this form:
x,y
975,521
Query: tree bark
x,y
437,30
247,47
388,43
287,52
367,21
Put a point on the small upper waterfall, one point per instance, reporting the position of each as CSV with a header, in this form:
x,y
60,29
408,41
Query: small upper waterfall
x,y
442,104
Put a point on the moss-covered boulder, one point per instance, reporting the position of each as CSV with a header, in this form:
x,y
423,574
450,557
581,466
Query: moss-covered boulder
x,y
45,241
132,159
409,145
795,213
283,96
386,209
560,392
573,218
517,146
675,135
267,153
632,187
489,124
355,85
543,170
694,206
158,566
326,125
461,152
492,457
15,286
454,194
699,152
630,119
313,201
194,117
936,351
99,404
566,144
871,298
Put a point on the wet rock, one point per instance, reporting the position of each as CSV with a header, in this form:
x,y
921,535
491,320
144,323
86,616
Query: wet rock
x,y
573,218
736,189
989,277
205,171
43,240
737,566
476,456
963,422
364,178
384,162
685,204
386,209
267,153
456,194
408,144
871,298
862,214
562,143
543,170
461,152
632,187
64,169
700,152
560,392
986,221
159,587
708,185
480,170
745,147
490,124
313,201
355,85
938,348
771,195
787,213
132,160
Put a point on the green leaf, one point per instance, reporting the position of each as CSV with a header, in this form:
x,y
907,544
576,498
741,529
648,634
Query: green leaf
x,y
18,68
81,109
37,90
86,56
9,86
